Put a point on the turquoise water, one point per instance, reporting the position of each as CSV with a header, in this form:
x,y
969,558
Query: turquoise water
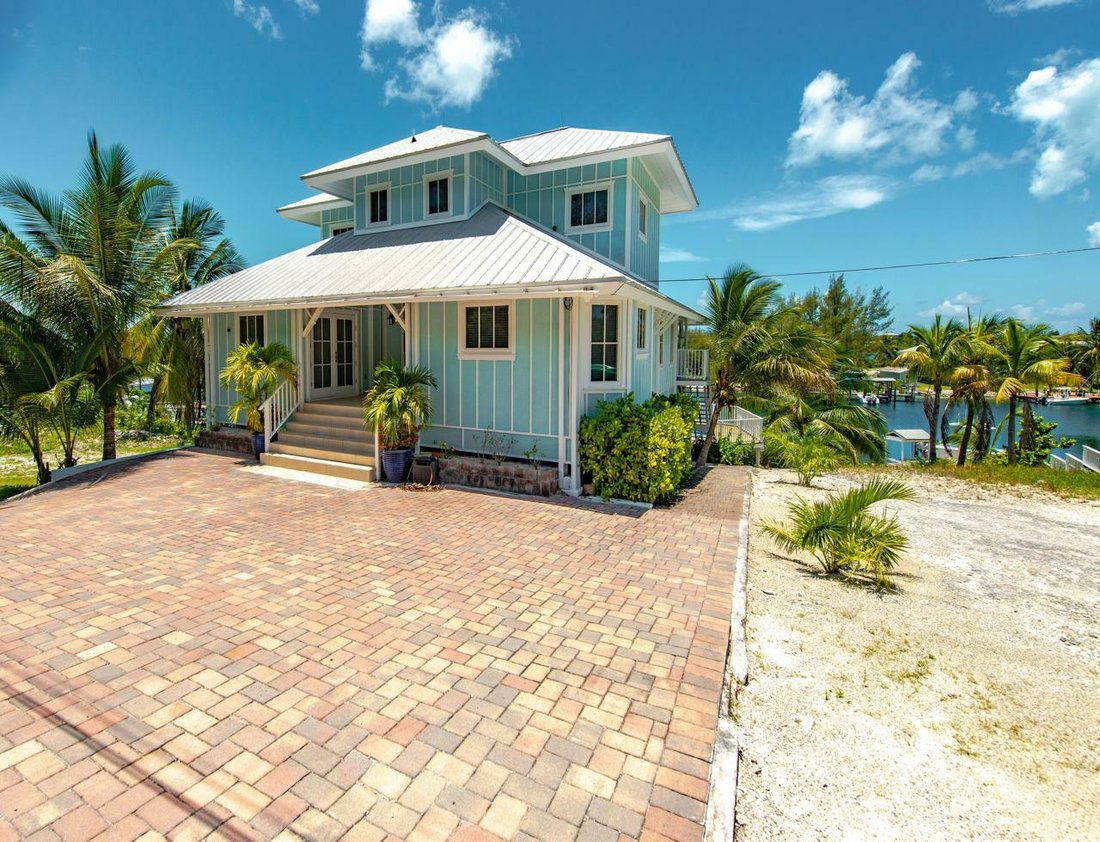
x,y
1077,422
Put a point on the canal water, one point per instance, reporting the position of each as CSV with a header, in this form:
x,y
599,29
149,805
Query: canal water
x,y
1081,422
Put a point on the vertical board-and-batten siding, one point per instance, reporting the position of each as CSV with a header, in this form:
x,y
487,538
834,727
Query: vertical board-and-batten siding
x,y
645,253
515,400
406,186
544,197
486,181
336,218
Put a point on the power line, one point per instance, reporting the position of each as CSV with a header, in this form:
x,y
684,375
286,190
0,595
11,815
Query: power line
x,y
957,262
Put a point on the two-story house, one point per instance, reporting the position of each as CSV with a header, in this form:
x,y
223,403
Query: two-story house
x,y
523,274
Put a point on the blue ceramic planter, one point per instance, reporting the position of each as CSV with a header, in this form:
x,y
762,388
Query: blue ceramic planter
x,y
396,464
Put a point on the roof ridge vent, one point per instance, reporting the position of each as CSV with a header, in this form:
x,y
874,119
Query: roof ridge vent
x,y
412,139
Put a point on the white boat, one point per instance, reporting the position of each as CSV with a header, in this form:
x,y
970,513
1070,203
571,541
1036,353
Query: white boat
x,y
1073,401
867,398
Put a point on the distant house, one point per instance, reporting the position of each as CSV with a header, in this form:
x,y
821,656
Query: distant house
x,y
523,273
906,445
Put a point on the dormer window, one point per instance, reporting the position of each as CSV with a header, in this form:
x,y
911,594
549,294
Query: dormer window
x,y
590,209
379,206
437,195
336,232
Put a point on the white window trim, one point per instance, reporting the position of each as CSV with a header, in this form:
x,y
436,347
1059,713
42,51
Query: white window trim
x,y
643,235
586,332
508,353
642,351
595,228
345,224
374,188
237,324
436,176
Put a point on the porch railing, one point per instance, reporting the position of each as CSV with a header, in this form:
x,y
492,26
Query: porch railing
x,y
692,364
1090,456
278,408
735,422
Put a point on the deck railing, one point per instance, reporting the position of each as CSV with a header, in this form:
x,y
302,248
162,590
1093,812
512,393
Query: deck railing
x,y
1090,457
692,364
735,422
278,408
1057,462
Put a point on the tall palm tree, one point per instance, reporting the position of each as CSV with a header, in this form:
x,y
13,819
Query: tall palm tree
x,y
756,348
1022,355
91,262
173,347
935,352
970,380
1085,351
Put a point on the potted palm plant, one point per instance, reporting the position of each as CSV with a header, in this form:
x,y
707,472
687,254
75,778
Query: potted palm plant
x,y
255,371
398,406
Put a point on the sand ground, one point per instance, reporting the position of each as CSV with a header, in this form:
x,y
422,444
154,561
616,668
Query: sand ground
x,y
964,706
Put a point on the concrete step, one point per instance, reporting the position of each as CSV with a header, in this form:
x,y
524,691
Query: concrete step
x,y
333,409
324,467
317,427
320,451
311,416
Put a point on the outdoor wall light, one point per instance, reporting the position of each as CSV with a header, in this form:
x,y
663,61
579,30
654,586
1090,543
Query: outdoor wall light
x,y
391,320
568,302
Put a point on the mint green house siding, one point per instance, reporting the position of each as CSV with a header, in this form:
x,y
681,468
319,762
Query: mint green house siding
x,y
645,249
224,338
514,400
406,185
486,181
336,218
544,199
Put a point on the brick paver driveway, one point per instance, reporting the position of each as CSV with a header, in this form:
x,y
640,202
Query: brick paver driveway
x,y
189,648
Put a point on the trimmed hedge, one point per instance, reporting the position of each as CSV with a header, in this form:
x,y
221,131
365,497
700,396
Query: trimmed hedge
x,y
638,451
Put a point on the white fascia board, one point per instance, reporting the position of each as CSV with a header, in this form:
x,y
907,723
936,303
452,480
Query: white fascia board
x,y
655,298
548,289
311,214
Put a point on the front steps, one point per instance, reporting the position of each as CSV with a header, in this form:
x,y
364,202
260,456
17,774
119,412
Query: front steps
x,y
327,438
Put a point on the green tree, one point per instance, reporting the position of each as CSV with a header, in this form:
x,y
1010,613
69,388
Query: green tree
x,y
1084,350
934,353
91,263
756,348
853,319
1023,355
855,431
173,348
254,371
970,381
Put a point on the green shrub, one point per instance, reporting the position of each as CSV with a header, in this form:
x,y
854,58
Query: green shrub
x,y
133,414
639,451
732,452
809,454
842,533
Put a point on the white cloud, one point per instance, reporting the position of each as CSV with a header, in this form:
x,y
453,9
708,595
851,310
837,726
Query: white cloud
x,y
826,197
955,306
307,7
1014,7
1094,234
449,62
1074,308
1063,105
670,254
899,120
986,162
258,16
929,172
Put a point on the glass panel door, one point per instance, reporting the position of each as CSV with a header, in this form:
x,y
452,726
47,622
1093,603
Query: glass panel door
x,y
333,350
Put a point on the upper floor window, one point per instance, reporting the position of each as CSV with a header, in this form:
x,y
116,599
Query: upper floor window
x,y
641,338
251,329
437,194
487,330
605,343
379,206
589,208
336,232
643,218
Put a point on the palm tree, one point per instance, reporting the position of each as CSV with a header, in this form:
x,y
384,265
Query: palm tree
x,y
173,347
398,404
756,348
1024,355
91,263
855,431
970,381
936,351
254,371
1085,351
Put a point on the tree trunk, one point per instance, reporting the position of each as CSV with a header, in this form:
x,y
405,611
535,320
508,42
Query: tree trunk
x,y
1012,429
109,430
967,427
934,423
151,409
712,427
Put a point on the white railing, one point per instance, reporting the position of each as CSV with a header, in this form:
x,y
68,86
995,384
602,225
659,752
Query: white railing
x,y
1074,464
1090,457
692,364
735,422
278,408
1057,462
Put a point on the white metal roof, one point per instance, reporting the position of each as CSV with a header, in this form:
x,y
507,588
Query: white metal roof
x,y
492,251
909,435
436,138
567,142
312,201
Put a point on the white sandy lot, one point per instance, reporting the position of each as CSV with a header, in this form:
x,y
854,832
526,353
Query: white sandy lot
x,y
967,706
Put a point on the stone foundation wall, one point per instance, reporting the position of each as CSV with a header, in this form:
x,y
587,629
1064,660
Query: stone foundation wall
x,y
227,439
505,476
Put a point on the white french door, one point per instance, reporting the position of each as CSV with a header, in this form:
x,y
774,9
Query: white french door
x,y
334,361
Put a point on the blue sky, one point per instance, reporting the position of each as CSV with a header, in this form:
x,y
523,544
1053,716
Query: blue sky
x,y
817,135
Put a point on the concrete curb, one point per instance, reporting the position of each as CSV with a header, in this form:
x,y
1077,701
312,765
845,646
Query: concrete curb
x,y
722,804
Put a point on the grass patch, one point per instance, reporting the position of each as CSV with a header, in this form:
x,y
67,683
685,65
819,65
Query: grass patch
x,y
1083,484
17,469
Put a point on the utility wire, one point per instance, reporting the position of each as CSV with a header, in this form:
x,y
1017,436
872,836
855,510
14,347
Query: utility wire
x,y
907,265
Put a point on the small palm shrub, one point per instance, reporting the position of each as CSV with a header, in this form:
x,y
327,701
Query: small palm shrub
x,y
398,404
843,534
255,371
810,453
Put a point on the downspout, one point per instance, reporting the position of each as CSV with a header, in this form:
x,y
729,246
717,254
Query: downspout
x,y
562,313
574,410
208,345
